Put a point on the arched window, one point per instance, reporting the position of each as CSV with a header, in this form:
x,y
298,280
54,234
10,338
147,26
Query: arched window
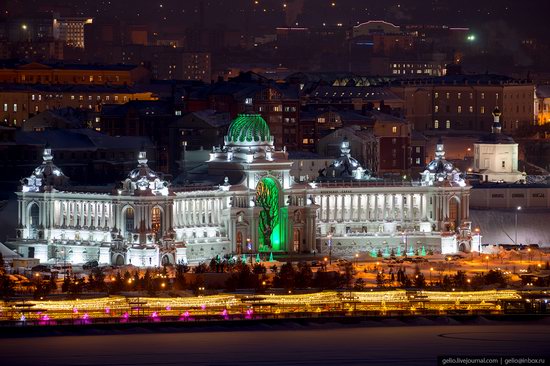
x,y
296,240
156,220
34,216
129,218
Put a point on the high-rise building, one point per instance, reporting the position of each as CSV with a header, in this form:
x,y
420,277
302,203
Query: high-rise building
x,y
70,30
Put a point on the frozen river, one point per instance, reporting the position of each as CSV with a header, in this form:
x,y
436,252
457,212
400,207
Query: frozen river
x,y
285,345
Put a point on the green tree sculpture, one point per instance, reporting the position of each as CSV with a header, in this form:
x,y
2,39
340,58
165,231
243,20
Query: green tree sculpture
x,y
267,198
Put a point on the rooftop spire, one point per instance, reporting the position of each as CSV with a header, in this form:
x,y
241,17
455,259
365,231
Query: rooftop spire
x,y
344,148
47,156
142,157
440,149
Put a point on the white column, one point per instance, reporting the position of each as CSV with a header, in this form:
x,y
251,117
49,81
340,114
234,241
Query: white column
x,y
327,207
384,207
342,208
376,216
421,206
359,207
411,206
367,213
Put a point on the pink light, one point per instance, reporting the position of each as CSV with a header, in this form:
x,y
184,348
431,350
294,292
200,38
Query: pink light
x,y
125,317
203,307
224,312
185,316
44,319
107,310
85,316
168,308
75,310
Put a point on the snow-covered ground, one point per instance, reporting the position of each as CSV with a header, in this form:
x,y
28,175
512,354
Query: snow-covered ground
x,y
388,342
498,226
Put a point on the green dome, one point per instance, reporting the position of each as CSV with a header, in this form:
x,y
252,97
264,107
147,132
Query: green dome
x,y
248,128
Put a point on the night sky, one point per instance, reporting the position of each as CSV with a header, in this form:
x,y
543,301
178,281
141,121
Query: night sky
x,y
526,17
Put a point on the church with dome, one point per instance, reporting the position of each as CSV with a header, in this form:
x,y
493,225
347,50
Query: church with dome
x,y
246,203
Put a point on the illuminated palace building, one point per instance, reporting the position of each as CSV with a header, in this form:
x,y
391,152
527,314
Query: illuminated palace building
x,y
246,203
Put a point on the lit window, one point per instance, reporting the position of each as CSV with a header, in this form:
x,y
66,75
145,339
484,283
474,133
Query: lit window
x,y
459,95
394,129
5,107
448,124
305,141
436,95
459,109
436,124
482,109
436,109
471,109
448,95
482,95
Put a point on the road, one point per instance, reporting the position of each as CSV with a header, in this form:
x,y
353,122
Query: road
x,y
290,344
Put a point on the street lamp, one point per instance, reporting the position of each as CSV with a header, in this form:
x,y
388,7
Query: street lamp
x,y
518,209
431,270
487,259
329,237
356,258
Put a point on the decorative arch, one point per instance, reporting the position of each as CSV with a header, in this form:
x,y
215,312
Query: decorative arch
x,y
167,259
454,212
118,259
157,220
33,213
129,215
239,242
296,239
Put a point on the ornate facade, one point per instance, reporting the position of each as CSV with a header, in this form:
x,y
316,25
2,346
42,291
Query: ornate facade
x,y
250,204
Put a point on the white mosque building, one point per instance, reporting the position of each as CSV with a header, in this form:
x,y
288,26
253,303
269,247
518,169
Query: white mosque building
x,y
248,203
496,156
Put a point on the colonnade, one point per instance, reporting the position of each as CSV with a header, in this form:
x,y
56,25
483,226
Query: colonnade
x,y
198,211
372,207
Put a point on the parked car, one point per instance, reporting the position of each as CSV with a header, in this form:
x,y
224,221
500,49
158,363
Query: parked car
x,y
341,262
90,265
